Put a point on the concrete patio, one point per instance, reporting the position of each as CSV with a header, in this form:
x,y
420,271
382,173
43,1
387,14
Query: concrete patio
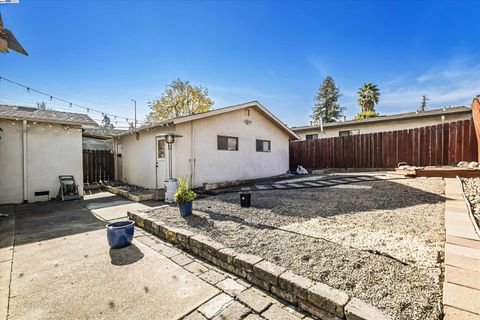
x,y
55,263
63,269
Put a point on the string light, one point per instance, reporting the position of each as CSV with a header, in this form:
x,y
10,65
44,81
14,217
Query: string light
x,y
70,104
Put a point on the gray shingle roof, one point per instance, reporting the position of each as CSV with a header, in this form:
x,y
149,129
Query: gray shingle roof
x,y
40,115
390,117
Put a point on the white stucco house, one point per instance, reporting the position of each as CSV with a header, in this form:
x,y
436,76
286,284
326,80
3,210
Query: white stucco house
x,y
239,142
383,123
36,146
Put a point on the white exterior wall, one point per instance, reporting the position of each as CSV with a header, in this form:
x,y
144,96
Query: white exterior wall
x,y
139,158
51,151
212,165
11,165
384,126
195,153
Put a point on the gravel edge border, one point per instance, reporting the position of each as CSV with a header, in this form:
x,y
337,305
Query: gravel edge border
x,y
315,298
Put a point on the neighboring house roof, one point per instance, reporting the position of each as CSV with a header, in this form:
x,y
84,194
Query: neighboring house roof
x,y
391,117
41,115
101,133
252,104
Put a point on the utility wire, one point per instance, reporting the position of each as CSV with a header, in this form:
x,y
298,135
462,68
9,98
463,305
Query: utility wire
x,y
70,104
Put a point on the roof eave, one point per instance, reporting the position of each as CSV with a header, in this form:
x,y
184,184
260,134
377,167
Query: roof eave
x,y
73,123
375,120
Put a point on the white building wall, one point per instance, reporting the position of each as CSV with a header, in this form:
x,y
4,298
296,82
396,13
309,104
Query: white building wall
x,y
51,151
212,165
11,165
196,155
139,158
383,126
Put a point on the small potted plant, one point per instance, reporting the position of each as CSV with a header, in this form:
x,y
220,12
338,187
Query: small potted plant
x,y
184,197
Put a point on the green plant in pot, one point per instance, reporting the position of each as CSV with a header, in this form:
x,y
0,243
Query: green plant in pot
x,y
184,197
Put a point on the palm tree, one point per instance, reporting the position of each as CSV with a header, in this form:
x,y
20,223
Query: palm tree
x,y
368,97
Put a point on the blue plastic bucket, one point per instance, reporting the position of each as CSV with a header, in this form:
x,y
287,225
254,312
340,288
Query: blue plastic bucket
x,y
120,234
186,208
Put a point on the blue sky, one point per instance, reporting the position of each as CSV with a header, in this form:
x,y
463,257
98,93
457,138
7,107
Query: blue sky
x,y
103,53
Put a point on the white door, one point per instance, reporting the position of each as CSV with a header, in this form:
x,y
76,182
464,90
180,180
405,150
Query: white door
x,y
161,163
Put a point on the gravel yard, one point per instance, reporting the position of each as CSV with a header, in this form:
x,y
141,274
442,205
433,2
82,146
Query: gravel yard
x,y
471,188
379,241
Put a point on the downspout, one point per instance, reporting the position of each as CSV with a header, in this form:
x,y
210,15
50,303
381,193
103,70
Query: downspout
x,y
25,168
192,154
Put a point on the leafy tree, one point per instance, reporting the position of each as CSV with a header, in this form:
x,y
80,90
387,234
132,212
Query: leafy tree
x,y
326,102
366,114
423,104
368,96
179,99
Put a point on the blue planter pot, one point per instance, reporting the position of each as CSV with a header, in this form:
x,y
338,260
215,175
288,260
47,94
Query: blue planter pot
x,y
120,234
186,208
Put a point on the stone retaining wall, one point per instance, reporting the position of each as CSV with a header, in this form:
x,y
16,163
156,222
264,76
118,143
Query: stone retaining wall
x,y
154,195
316,298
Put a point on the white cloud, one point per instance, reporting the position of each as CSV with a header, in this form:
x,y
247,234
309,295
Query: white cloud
x,y
455,82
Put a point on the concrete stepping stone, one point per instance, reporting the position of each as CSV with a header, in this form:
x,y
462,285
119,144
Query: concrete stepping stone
x,y
314,184
463,277
195,316
212,277
338,181
365,178
275,312
196,268
253,300
215,305
235,311
461,297
231,287
296,185
181,259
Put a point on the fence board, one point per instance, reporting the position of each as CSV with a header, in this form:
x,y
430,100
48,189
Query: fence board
x,y
443,144
98,165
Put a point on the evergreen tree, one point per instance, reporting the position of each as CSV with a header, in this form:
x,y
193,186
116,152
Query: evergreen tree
x,y
326,102
423,104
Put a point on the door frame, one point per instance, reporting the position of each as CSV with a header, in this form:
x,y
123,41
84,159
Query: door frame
x,y
164,159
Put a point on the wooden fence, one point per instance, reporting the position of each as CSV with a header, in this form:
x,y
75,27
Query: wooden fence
x,y
98,166
443,144
476,119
